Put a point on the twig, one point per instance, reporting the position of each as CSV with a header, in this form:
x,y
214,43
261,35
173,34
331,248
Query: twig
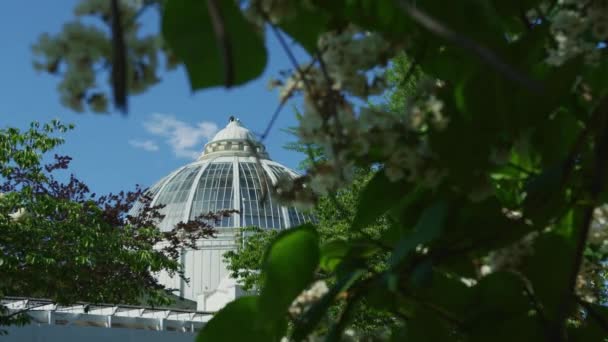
x,y
290,55
521,169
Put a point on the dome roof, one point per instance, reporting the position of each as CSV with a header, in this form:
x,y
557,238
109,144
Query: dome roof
x,y
233,172
234,131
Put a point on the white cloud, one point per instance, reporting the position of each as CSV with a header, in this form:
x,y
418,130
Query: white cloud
x,y
146,145
185,139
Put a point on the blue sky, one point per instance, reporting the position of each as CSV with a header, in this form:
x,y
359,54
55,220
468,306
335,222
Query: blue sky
x,y
164,125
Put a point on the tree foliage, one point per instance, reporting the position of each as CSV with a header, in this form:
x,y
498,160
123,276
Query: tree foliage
x,y
490,173
62,242
334,216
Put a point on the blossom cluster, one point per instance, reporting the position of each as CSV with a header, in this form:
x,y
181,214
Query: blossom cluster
x,y
577,27
317,290
351,136
81,51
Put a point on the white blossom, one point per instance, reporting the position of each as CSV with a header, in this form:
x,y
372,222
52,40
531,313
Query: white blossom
x,y
317,290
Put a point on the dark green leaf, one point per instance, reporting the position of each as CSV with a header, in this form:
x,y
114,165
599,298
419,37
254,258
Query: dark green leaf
x,y
429,226
427,326
332,254
521,328
544,195
446,294
379,195
213,58
306,26
497,297
548,269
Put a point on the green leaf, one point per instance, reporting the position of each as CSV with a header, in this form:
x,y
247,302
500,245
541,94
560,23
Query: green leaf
x,y
548,269
236,58
497,297
545,198
429,226
241,320
444,293
562,124
521,328
427,326
306,25
381,16
378,196
332,254
289,268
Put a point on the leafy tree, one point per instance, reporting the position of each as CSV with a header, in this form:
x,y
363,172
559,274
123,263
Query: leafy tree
x,y
489,174
62,242
334,217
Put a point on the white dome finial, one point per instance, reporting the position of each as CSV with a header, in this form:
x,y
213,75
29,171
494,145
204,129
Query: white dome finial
x,y
234,139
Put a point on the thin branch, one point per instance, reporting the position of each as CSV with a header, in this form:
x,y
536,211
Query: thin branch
x,y
521,169
279,108
290,55
593,313
485,54
22,311
119,60
538,306
335,334
596,188
323,67
441,313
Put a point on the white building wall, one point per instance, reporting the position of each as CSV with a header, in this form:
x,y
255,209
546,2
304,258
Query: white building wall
x,y
204,267
59,333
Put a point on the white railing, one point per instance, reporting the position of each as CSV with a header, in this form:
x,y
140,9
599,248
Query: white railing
x,y
43,311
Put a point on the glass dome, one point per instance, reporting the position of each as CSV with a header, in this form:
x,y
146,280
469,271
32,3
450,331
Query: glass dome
x,y
233,172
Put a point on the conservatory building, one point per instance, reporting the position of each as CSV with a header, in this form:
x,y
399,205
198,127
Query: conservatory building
x,y
234,171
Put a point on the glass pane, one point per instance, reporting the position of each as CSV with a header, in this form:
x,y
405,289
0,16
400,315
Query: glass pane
x,y
214,192
174,196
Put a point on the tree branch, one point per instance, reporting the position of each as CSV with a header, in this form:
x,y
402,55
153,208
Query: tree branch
x,y
485,54
596,188
593,313
119,60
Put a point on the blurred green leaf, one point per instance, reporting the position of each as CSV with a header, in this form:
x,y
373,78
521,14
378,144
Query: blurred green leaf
x,y
548,270
378,196
289,267
241,320
213,58
429,226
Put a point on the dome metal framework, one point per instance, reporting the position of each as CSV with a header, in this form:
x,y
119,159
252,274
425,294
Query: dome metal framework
x,y
233,172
